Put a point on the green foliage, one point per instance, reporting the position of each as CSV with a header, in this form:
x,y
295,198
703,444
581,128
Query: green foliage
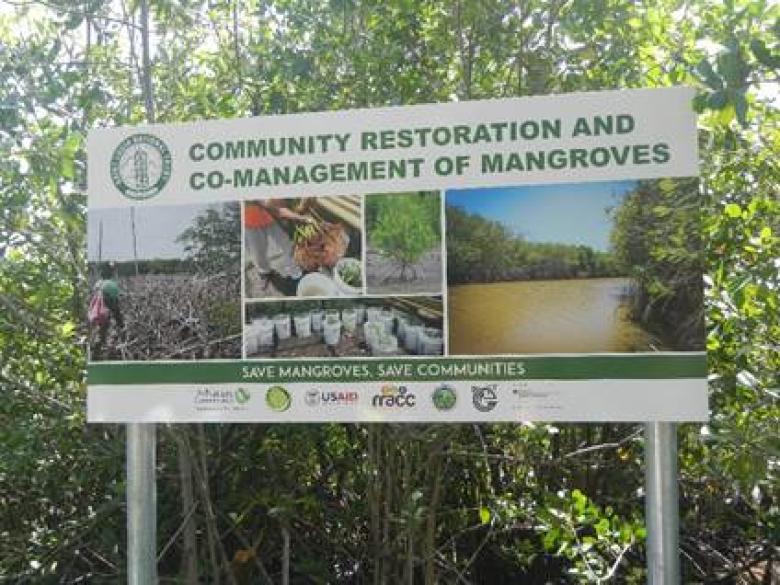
x,y
351,276
483,250
213,242
434,504
595,540
404,226
656,238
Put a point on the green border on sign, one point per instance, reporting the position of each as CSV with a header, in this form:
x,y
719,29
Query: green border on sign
x,y
590,367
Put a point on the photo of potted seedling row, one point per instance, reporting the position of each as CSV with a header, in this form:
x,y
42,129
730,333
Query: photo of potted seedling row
x,y
344,328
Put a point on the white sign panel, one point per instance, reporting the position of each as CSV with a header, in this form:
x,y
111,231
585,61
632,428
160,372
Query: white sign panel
x,y
496,260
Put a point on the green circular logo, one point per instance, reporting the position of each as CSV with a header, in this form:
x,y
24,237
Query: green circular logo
x,y
278,398
444,397
140,166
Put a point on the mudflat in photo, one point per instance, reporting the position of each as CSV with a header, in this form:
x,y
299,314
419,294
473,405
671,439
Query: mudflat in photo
x,y
403,233
165,282
575,268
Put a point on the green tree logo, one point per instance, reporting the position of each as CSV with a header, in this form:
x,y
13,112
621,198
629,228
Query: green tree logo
x,y
444,397
141,166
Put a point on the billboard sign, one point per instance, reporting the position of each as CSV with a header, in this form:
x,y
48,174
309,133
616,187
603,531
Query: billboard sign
x,y
499,260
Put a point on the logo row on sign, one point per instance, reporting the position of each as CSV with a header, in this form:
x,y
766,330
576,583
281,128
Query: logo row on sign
x,y
278,398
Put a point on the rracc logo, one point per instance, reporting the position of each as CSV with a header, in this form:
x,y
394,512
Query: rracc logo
x,y
394,397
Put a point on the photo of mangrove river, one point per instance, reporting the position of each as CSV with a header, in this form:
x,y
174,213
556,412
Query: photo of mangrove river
x,y
578,268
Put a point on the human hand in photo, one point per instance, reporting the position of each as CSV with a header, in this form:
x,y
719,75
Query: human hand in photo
x,y
287,213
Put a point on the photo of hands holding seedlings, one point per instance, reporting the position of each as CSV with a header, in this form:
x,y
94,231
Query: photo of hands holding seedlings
x,y
344,328
404,240
577,268
165,282
304,247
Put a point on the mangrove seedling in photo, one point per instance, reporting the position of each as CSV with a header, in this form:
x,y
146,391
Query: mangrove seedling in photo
x,y
404,232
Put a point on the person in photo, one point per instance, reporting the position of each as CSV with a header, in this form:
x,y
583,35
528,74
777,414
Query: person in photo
x,y
267,242
107,289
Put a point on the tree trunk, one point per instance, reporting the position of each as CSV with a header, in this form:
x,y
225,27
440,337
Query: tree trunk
x,y
374,501
285,555
189,549
146,81
217,553
430,521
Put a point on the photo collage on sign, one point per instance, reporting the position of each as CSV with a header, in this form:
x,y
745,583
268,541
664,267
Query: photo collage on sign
x,y
165,282
344,276
599,267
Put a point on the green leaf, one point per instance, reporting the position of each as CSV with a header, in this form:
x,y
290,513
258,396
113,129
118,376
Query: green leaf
x,y
717,100
704,68
550,538
602,527
740,108
764,55
700,102
67,168
733,67
579,500
484,515
733,210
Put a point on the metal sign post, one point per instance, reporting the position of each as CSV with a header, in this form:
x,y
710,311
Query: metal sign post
x,y
141,437
141,504
661,504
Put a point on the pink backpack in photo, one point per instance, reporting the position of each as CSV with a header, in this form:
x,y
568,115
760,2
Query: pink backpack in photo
x,y
98,311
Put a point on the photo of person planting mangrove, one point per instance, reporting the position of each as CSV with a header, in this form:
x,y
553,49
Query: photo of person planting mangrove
x,y
344,327
575,268
165,283
303,247
403,237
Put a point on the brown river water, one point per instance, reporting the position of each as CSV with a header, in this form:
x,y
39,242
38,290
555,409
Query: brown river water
x,y
543,316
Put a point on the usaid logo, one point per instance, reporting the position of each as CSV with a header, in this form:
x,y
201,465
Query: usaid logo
x,y
330,398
